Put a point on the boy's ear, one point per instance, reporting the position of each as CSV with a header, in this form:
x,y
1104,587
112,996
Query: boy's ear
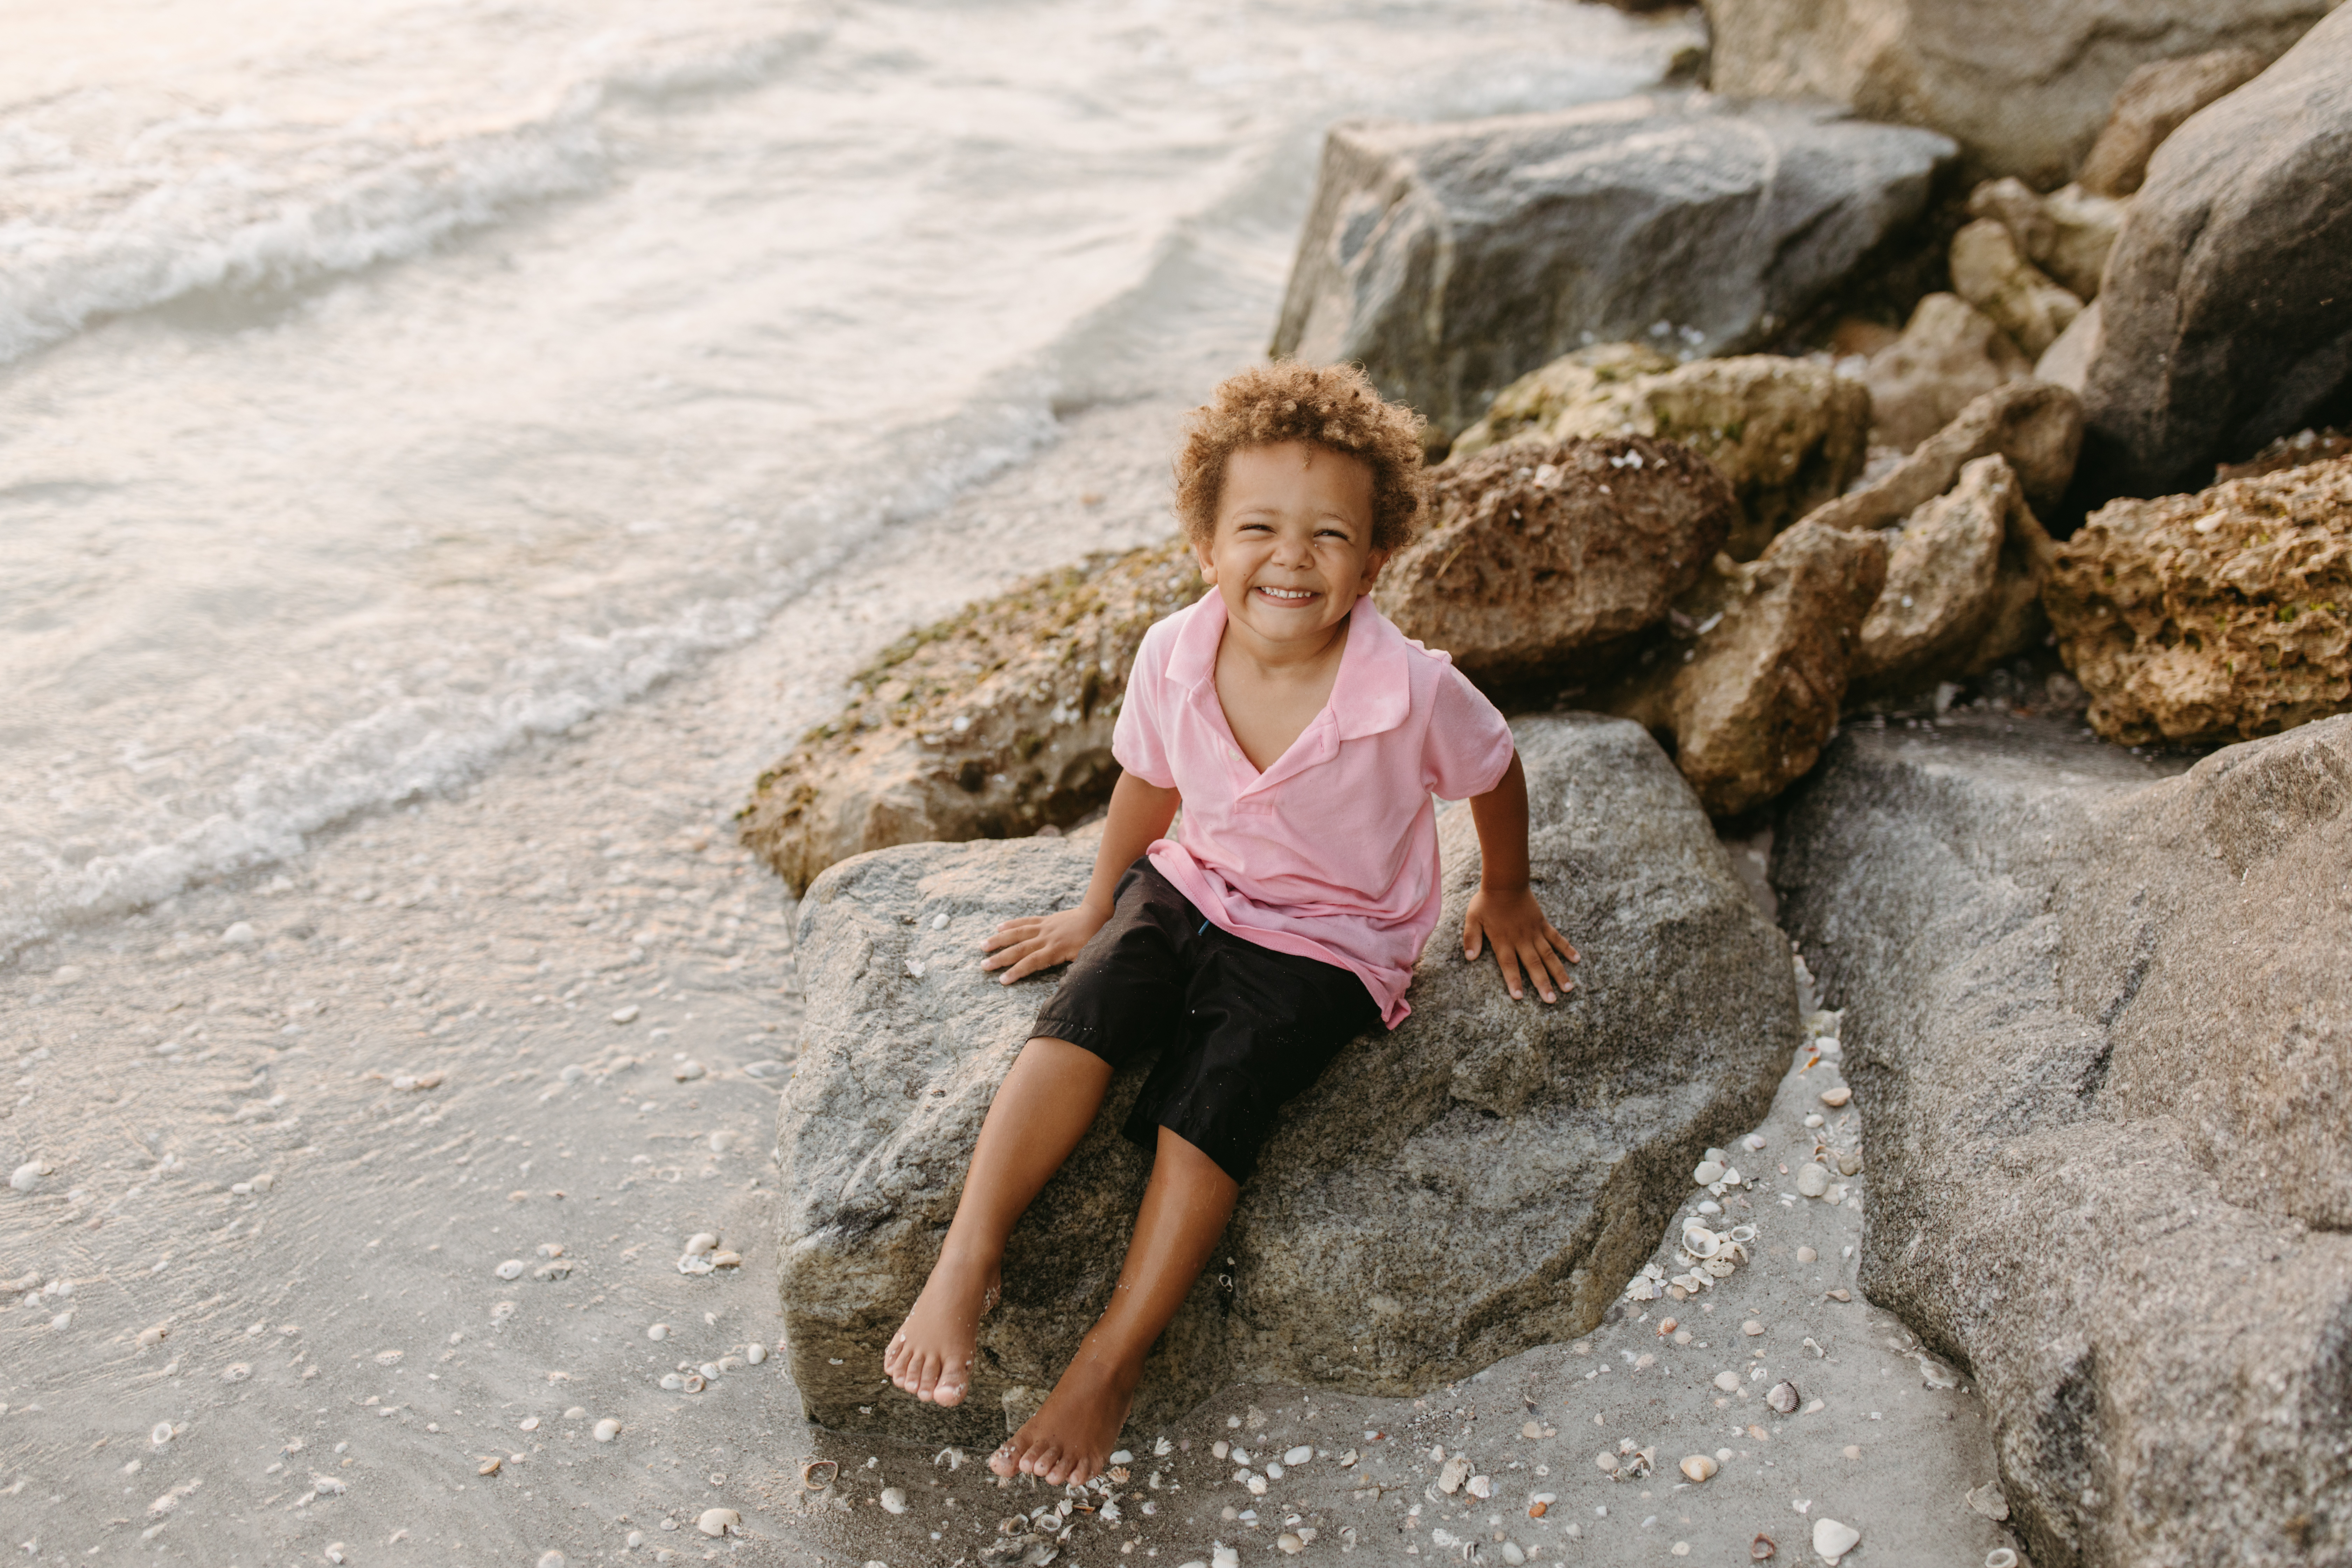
x,y
1208,567
1372,564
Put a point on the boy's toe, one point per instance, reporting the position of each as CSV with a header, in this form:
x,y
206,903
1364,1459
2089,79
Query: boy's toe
x,y
950,1390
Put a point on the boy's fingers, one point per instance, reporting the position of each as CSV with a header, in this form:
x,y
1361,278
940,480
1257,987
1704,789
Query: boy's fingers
x,y
1471,936
1509,963
1534,955
1559,969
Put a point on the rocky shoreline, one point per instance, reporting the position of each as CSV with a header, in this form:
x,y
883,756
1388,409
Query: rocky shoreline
x,y
1882,491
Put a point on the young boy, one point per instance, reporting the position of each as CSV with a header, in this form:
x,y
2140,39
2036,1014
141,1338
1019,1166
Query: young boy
x,y
1303,736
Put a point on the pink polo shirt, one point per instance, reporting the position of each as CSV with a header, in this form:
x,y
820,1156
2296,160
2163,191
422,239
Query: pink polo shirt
x,y
1332,852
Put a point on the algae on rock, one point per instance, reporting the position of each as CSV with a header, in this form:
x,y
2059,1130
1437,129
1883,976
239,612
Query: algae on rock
x,y
1789,434
989,725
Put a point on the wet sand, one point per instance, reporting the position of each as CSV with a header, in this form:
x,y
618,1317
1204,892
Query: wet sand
x,y
294,1124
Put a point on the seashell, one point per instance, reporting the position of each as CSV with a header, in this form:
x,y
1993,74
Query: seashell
x,y
1987,1501
727,1521
1761,1548
1481,1487
627,1014
818,1474
1273,1471
1719,1267
1449,1478
894,1500
1743,1232
687,1071
28,1176
1297,1456
1607,1461
607,1429
161,1434
1731,1176
1815,1119
658,1332
1710,1172
755,1352
1699,1241
1751,1328
1290,1544
1832,1538
148,1338
1699,1468
1258,1486
1783,1397
510,1269
672,1382
2001,1557
1753,1143
1727,1380
1643,1289
1848,1164
1813,1181
693,1383
551,1558
489,1465
1835,1096
722,1258
700,1242
235,1371
709,1370
1538,1508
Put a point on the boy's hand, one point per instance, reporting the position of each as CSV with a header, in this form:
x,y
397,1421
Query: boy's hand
x,y
1523,939
1040,941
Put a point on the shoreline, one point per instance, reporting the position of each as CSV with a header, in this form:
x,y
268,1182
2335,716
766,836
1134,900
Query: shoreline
x,y
390,1207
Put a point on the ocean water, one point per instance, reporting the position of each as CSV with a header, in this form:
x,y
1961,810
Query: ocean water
x,y
383,383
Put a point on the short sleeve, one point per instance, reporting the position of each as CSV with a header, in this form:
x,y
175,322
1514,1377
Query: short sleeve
x,y
1467,748
1138,740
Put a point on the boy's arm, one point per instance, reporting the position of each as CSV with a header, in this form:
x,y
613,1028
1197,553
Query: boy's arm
x,y
1140,813
1504,910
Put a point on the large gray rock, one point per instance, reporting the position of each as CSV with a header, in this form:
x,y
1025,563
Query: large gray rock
x,y
2226,318
2103,1019
1452,260
2025,85
1482,1180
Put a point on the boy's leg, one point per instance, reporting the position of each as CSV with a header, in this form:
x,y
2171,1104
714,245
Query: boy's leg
x,y
1184,1211
1044,1107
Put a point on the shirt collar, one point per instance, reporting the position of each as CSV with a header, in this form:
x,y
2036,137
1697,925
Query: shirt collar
x,y
1372,693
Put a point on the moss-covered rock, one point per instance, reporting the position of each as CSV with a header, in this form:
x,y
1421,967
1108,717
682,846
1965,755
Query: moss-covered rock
x,y
2221,616
989,725
1790,434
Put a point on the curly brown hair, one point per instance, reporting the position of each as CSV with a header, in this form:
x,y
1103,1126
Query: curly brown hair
x,y
1333,406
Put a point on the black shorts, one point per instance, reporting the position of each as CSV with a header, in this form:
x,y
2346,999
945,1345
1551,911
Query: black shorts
x,y
1240,1028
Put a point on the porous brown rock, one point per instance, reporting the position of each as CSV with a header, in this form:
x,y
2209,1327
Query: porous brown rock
x,y
991,724
1788,432
1539,553
2154,102
2219,615
1756,693
1961,584
2226,321
1950,354
2025,85
2102,1022
2036,426
2067,234
1482,1180
1450,259
1990,271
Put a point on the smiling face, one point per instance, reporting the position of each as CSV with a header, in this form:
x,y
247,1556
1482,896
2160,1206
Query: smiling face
x,y
1292,548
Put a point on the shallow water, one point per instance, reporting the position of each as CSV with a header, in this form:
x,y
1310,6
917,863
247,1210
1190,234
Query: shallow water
x,y
384,383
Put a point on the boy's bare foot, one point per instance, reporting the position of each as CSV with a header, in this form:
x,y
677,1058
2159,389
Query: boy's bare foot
x,y
931,1356
1072,1437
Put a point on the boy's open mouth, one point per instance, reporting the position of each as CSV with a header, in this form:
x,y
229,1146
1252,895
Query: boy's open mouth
x,y
1288,596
